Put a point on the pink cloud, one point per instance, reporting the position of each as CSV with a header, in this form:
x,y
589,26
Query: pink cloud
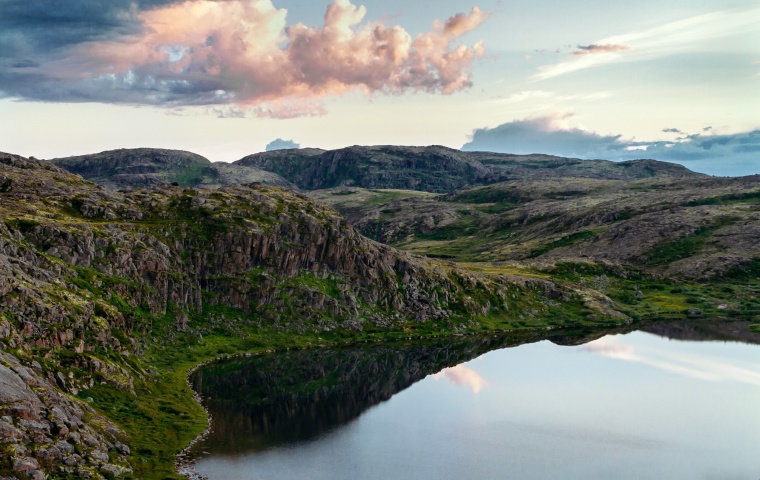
x,y
244,52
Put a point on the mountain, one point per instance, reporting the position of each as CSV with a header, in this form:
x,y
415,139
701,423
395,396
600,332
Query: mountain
x,y
143,167
428,169
439,169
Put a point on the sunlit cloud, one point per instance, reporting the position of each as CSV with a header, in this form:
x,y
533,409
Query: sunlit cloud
x,y
463,377
694,366
685,35
526,96
245,53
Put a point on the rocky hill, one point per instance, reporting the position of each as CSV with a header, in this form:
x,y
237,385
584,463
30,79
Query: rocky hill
x,y
144,167
439,169
429,169
106,296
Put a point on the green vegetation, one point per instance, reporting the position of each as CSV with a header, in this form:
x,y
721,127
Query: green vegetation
x,y
687,246
190,175
727,199
565,241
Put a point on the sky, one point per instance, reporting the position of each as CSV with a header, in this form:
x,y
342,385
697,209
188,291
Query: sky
x,y
676,81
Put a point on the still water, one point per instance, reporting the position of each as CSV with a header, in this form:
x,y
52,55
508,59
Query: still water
x,y
627,406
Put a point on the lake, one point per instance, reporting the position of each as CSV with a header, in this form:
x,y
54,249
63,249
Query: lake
x,y
679,401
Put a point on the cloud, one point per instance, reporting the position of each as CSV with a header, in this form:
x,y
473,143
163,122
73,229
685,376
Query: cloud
x,y
700,367
672,130
280,144
692,34
547,134
595,49
463,377
242,52
715,154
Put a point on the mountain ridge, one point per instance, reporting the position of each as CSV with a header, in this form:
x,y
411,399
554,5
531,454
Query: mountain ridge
x,y
434,169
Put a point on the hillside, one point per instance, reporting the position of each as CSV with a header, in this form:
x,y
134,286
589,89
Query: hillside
x,y
144,167
686,227
108,299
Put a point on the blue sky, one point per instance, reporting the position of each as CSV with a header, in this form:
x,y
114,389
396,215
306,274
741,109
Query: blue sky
x,y
677,81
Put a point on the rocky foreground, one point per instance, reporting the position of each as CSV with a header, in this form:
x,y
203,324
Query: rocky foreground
x,y
101,290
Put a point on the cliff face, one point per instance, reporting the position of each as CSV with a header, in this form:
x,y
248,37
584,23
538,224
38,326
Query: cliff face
x,y
91,278
44,430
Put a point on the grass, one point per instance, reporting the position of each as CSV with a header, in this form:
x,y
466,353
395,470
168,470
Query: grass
x,y
383,197
685,247
564,241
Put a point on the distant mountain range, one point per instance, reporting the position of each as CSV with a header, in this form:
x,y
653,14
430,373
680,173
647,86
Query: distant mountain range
x,y
431,169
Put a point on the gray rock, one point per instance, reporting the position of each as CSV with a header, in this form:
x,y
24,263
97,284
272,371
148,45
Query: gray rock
x,y
98,455
24,464
121,448
16,397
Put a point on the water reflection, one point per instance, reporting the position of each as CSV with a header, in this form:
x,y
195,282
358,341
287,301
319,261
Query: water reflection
x,y
464,377
703,367
267,401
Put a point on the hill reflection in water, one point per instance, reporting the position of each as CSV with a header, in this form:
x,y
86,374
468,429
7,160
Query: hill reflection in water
x,y
266,401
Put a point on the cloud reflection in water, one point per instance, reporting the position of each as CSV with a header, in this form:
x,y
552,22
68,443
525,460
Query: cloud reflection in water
x,y
463,377
701,367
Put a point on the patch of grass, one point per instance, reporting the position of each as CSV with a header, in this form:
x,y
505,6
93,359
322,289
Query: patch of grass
x,y
747,272
487,195
565,241
383,197
190,175
685,247
726,199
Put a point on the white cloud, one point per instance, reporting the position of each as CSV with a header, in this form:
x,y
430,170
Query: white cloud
x,y
705,151
690,34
